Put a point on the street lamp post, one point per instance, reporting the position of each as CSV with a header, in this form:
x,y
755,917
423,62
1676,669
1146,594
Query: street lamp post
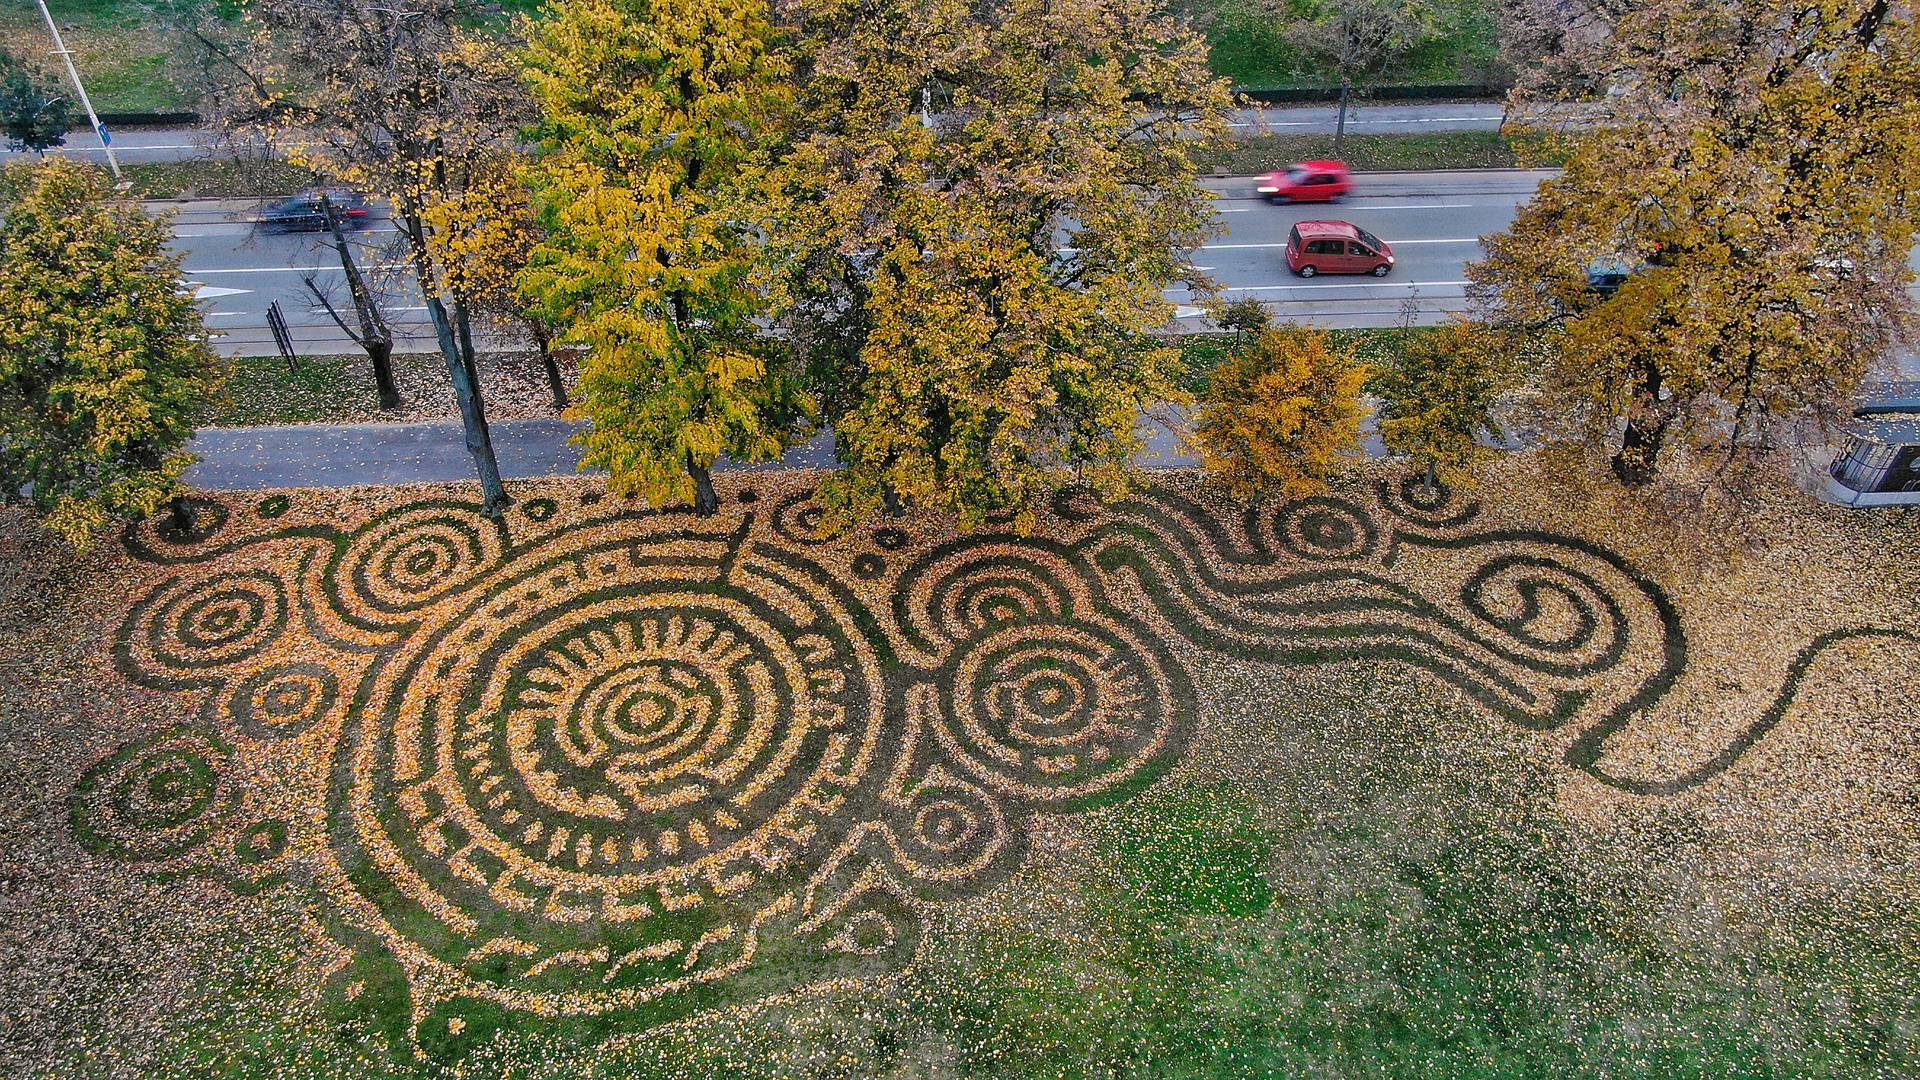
x,y
66,56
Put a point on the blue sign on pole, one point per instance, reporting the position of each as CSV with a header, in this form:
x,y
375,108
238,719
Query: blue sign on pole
x,y
105,139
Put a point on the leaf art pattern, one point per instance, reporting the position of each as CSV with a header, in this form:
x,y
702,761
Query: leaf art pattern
x,y
608,768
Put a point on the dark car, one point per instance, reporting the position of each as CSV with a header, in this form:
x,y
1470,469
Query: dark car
x,y
1605,276
303,212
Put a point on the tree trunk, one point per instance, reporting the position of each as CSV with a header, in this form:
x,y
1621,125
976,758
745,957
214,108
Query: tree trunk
x,y
1639,454
181,515
1340,125
705,502
479,442
374,335
891,501
380,351
543,340
1433,477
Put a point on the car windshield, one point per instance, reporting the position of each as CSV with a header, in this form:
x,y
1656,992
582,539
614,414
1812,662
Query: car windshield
x,y
1368,238
1297,173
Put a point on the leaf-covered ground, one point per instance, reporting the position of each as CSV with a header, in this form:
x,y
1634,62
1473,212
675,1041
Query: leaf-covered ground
x,y
1536,780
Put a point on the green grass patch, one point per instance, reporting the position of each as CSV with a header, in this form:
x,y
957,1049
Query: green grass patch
x,y
317,389
1371,153
216,178
1249,45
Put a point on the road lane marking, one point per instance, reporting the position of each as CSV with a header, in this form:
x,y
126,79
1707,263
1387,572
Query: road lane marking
x,y
1461,240
1355,285
335,268
1352,122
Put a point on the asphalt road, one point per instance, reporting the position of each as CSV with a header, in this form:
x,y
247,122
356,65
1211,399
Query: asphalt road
x,y
177,144
1433,221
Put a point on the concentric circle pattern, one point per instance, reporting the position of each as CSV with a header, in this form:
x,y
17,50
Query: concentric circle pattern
x,y
400,563
1060,711
158,797
591,761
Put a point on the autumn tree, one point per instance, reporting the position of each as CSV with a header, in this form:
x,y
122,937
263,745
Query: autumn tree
x,y
103,358
369,330
1281,414
36,112
402,98
484,235
1438,397
1750,167
1358,39
651,111
980,214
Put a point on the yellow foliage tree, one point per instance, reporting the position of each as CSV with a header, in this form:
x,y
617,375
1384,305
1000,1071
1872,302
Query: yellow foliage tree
x,y
103,358
1280,414
653,111
1437,398
1751,173
977,221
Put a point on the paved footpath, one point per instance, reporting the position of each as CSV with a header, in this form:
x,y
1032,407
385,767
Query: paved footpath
x,y
351,455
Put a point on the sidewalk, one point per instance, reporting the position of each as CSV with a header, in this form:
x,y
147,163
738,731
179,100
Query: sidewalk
x,y
352,455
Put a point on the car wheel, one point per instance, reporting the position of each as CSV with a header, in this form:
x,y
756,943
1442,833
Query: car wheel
x,y
1382,270
1306,271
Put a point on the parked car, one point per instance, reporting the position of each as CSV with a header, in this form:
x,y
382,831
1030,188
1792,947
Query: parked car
x,y
1336,247
1878,463
302,212
1307,181
1605,276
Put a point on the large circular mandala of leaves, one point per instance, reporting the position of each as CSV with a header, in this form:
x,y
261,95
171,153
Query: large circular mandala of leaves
x,y
583,789
611,768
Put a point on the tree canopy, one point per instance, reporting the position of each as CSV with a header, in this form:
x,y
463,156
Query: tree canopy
x,y
1280,414
653,111
35,110
1437,397
103,359
1747,181
977,220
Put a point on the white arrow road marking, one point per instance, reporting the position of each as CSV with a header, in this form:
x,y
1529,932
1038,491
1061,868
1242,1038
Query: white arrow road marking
x,y
210,292
1187,312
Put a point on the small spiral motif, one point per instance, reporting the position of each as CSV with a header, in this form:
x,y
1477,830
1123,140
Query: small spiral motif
x,y
959,592
796,518
212,623
282,701
403,562
1059,711
1435,506
1324,528
948,829
156,798
1559,618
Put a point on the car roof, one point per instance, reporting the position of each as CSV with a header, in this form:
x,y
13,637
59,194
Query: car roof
x,y
1324,165
1329,228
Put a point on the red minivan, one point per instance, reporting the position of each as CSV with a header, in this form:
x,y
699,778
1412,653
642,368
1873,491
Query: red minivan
x,y
1307,181
1336,247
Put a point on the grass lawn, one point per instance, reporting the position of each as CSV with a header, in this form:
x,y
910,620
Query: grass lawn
x,y
123,54
1249,47
1374,153
1521,781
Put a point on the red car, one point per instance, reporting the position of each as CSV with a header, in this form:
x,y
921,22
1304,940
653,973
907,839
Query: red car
x,y
1336,247
1308,181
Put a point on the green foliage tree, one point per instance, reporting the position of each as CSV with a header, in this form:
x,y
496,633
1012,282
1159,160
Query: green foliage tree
x,y
35,112
1437,398
1752,165
103,359
979,215
653,111
1281,414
